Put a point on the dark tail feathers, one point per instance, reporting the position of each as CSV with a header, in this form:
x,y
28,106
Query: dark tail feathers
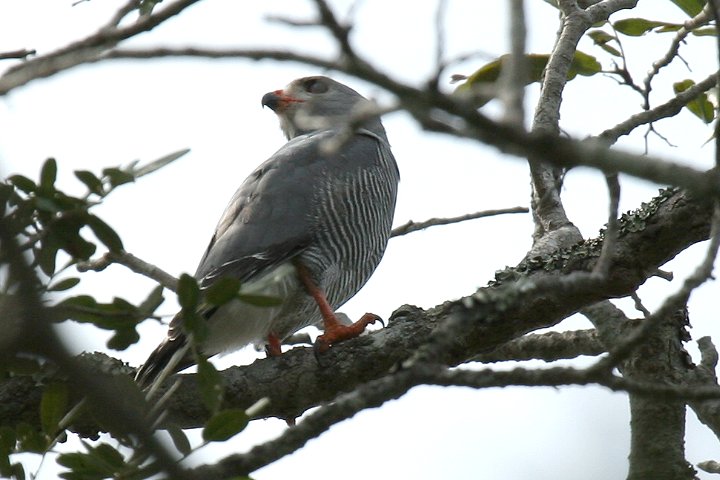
x,y
160,358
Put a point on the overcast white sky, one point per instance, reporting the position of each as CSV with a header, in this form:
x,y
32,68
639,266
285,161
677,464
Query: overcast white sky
x,y
113,113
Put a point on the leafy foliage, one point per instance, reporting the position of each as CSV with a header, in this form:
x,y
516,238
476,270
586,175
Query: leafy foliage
x,y
58,229
701,107
225,425
582,64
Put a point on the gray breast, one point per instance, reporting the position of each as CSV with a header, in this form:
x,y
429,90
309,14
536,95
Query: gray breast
x,y
354,213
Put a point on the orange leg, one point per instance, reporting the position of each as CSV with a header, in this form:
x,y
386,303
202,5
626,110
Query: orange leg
x,y
334,331
273,349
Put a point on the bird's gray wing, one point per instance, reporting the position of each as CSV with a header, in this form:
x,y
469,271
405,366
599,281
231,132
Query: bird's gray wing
x,y
272,217
268,218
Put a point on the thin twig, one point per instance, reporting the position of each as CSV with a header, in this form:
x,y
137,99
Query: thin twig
x,y
133,263
88,49
415,226
514,68
700,19
17,54
639,305
602,267
665,110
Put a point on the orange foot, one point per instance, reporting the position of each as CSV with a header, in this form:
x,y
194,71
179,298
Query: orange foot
x,y
335,332
273,348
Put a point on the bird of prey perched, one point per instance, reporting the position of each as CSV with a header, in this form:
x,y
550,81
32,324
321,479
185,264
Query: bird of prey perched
x,y
308,226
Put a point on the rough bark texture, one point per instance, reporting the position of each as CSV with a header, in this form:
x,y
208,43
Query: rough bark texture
x,y
522,299
657,446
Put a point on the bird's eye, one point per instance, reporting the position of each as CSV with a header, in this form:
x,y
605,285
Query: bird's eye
x,y
315,86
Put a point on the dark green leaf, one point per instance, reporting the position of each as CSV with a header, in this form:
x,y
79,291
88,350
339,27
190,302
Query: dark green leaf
x,y
600,36
53,406
152,302
74,461
109,456
46,256
22,366
701,106
705,32
123,338
194,325
45,204
118,315
123,305
160,163
23,183
583,64
602,39
690,7
48,174
118,177
210,384
102,461
66,232
7,440
222,291
224,425
64,284
18,471
29,439
91,181
260,300
179,439
635,27
188,292
105,233
6,193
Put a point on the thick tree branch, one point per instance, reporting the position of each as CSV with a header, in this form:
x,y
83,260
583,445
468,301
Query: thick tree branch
x,y
549,347
377,392
523,299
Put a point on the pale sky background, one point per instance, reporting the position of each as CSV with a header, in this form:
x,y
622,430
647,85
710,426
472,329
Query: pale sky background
x,y
109,114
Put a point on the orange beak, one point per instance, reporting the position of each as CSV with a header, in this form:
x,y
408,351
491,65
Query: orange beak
x,y
278,101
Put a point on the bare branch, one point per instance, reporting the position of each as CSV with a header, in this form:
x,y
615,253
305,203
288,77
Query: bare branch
x,y
665,110
17,54
424,106
702,273
700,19
133,263
339,31
513,72
87,49
377,392
415,226
549,347
604,263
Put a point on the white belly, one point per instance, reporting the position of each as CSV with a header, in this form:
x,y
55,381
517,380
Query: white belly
x,y
239,323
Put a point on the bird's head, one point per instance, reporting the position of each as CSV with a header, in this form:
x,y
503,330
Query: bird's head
x,y
317,103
